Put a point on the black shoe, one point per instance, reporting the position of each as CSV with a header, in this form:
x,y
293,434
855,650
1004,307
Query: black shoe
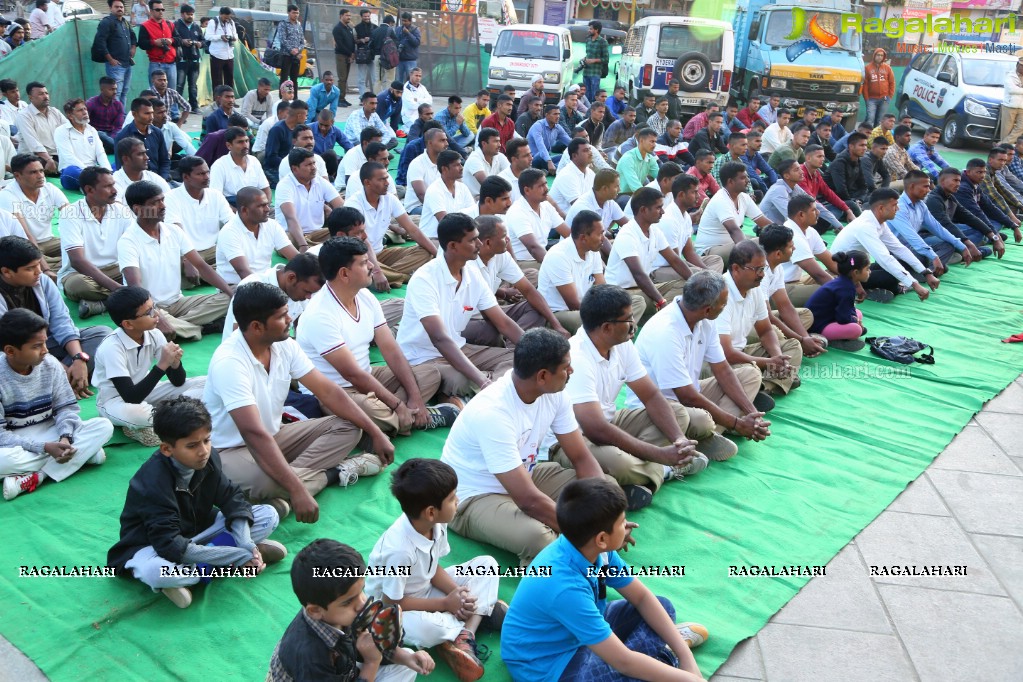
x,y
637,496
441,416
848,345
495,621
344,103
763,402
880,295
214,327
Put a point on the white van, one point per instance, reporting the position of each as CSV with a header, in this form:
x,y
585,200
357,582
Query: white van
x,y
521,51
699,52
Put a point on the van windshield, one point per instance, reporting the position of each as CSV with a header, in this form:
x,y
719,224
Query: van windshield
x,y
986,72
779,28
677,39
533,44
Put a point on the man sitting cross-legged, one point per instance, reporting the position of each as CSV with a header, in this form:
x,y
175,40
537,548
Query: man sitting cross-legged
x,y
342,320
442,297
133,160
299,278
675,346
721,224
677,225
810,266
300,200
250,238
150,254
747,312
522,302
237,168
532,219
506,495
640,448
198,210
790,322
246,387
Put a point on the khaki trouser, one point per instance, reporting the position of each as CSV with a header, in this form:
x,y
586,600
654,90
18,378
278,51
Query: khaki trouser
x,y
209,256
805,318
749,377
1012,125
51,252
427,379
403,260
317,236
343,66
800,292
481,332
667,273
393,308
790,347
497,520
722,251
571,321
188,314
531,270
310,447
669,290
492,362
79,287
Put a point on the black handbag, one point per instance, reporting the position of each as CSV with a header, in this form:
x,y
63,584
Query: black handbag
x,y
273,55
900,349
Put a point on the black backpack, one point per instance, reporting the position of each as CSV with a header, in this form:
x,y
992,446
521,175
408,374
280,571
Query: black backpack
x,y
900,349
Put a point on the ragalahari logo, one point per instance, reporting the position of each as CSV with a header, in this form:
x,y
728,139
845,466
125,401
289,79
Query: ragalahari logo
x,y
819,35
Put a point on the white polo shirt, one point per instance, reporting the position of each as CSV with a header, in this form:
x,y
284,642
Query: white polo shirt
x,y
632,242
227,177
308,203
9,226
597,380
438,198
158,262
119,356
79,229
653,184
284,168
570,184
673,354
521,220
121,182
378,219
677,227
501,268
740,314
354,186
432,291
80,149
562,265
38,215
806,246
609,213
496,433
513,181
259,144
201,220
329,326
421,168
402,545
351,163
269,276
476,163
237,379
720,208
773,282
236,240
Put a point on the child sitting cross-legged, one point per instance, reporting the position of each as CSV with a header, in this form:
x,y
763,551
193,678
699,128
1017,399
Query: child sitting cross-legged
x,y
339,634
439,607
132,362
560,628
181,510
41,433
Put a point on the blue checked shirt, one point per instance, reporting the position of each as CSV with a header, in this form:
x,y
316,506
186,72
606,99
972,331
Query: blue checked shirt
x,y
928,159
357,122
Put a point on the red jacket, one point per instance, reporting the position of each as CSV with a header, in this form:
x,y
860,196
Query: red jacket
x,y
818,189
748,117
149,33
878,81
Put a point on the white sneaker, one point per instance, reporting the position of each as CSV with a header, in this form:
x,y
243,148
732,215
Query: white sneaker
x,y
697,464
366,464
181,596
26,483
98,458
694,633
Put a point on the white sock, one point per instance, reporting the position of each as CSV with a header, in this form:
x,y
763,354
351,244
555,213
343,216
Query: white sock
x,y
667,472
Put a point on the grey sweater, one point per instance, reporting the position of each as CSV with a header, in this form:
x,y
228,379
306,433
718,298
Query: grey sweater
x,y
44,395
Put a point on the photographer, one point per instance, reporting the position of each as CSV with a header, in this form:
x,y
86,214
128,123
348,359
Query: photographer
x,y
222,33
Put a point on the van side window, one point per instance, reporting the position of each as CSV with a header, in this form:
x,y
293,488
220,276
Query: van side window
x,y
634,42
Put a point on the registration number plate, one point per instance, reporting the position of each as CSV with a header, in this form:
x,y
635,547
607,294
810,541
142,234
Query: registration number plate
x,y
690,101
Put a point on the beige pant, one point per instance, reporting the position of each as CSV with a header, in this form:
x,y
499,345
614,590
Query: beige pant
x,y
571,321
1012,125
667,273
188,314
481,332
799,293
897,185
310,448
492,362
403,260
531,270
669,290
805,318
749,377
51,252
317,236
209,256
427,379
79,287
497,520
722,251
790,347
393,308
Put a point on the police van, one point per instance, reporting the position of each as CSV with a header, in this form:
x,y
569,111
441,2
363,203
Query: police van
x,y
959,92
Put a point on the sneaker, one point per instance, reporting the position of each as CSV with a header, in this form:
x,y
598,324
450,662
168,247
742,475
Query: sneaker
x,y
366,464
181,596
281,506
272,551
717,448
697,464
460,656
637,496
763,402
16,485
880,295
441,416
694,633
495,621
87,309
955,259
212,328
98,458
344,103
145,435
985,251
848,345
821,341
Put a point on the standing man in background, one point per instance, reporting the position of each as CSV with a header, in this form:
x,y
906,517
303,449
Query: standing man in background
x,y
115,44
597,57
409,38
189,34
344,52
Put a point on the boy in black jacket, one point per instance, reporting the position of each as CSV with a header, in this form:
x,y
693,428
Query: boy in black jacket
x,y
179,501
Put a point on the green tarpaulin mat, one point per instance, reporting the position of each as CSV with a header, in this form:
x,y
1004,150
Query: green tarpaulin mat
x,y
844,445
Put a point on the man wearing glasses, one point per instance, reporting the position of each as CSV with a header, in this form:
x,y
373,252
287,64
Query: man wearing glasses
x,y
157,38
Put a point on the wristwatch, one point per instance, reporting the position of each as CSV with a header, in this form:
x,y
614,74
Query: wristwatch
x,y
69,437
927,271
81,355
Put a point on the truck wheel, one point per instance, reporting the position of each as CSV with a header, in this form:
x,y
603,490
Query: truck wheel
x,y
952,132
693,70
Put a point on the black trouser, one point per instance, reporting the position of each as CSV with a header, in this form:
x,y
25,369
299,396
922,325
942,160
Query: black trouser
x,y
221,72
331,160
289,68
882,279
189,72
